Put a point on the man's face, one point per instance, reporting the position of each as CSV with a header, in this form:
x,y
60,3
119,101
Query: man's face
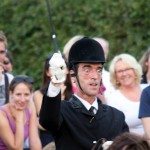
x,y
2,51
89,75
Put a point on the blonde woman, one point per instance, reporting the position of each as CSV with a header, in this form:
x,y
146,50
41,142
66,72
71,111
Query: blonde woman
x,y
125,76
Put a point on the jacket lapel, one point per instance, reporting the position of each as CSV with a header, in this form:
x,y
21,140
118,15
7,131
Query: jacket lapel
x,y
76,104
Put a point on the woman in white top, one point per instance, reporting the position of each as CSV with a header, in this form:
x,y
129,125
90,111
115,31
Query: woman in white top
x,y
125,75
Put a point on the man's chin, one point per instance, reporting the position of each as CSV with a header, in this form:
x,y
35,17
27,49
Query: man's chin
x,y
92,94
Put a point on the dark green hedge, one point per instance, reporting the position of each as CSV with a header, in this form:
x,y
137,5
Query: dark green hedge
x,y
125,24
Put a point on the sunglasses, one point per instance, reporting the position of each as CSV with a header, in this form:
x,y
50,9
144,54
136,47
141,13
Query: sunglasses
x,y
19,79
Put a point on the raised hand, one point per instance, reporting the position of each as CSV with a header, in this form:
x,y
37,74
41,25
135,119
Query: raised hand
x,y
57,68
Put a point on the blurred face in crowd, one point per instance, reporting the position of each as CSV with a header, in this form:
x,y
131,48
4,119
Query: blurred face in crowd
x,y
2,51
89,75
21,96
125,75
148,63
7,64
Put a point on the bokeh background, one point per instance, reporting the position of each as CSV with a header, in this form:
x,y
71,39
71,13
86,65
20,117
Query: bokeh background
x,y
125,24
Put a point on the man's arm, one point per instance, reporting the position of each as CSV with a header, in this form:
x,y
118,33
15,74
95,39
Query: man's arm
x,y
50,112
50,109
146,124
144,111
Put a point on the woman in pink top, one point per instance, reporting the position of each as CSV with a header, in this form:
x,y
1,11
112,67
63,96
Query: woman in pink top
x,y
18,117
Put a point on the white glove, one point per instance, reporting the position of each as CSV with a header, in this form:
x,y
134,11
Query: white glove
x,y
57,68
106,145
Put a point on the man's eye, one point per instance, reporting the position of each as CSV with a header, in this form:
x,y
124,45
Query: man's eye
x,y
99,70
86,69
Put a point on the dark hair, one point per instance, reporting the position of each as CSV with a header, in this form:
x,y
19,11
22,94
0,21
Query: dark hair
x,y
45,79
21,79
9,56
68,90
129,141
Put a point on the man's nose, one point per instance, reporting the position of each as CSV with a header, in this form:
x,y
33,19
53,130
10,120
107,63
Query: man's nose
x,y
94,74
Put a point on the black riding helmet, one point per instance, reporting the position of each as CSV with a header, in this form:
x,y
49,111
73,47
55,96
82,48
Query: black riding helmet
x,y
85,50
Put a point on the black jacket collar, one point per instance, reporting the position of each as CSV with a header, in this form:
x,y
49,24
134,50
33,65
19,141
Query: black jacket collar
x,y
77,104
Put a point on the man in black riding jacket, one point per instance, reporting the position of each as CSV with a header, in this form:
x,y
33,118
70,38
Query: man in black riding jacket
x,y
71,122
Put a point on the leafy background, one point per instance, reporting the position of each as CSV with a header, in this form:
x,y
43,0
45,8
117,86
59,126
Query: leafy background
x,y
125,24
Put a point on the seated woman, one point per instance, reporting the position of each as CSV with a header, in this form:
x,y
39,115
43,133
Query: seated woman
x,y
19,117
125,76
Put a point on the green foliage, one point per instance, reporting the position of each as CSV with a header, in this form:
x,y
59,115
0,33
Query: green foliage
x,y
125,24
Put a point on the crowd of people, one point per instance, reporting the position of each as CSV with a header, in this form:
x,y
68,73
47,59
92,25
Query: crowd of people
x,y
80,105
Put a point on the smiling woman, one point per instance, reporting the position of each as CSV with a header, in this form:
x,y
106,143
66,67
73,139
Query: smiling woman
x,y
19,117
125,75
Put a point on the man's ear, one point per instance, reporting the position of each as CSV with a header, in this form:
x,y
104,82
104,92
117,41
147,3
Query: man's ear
x,y
72,73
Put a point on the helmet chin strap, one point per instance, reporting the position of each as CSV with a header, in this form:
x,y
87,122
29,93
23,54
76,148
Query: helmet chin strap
x,y
75,74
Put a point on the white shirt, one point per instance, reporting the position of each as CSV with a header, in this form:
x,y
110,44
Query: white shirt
x,y
88,105
129,108
2,88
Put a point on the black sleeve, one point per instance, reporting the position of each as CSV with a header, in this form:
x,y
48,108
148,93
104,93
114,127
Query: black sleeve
x,y
125,127
50,113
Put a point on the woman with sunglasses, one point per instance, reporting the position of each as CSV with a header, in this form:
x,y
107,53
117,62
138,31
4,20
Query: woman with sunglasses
x,y
18,117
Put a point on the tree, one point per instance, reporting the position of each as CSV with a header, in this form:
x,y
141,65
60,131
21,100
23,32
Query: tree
x,y
125,24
